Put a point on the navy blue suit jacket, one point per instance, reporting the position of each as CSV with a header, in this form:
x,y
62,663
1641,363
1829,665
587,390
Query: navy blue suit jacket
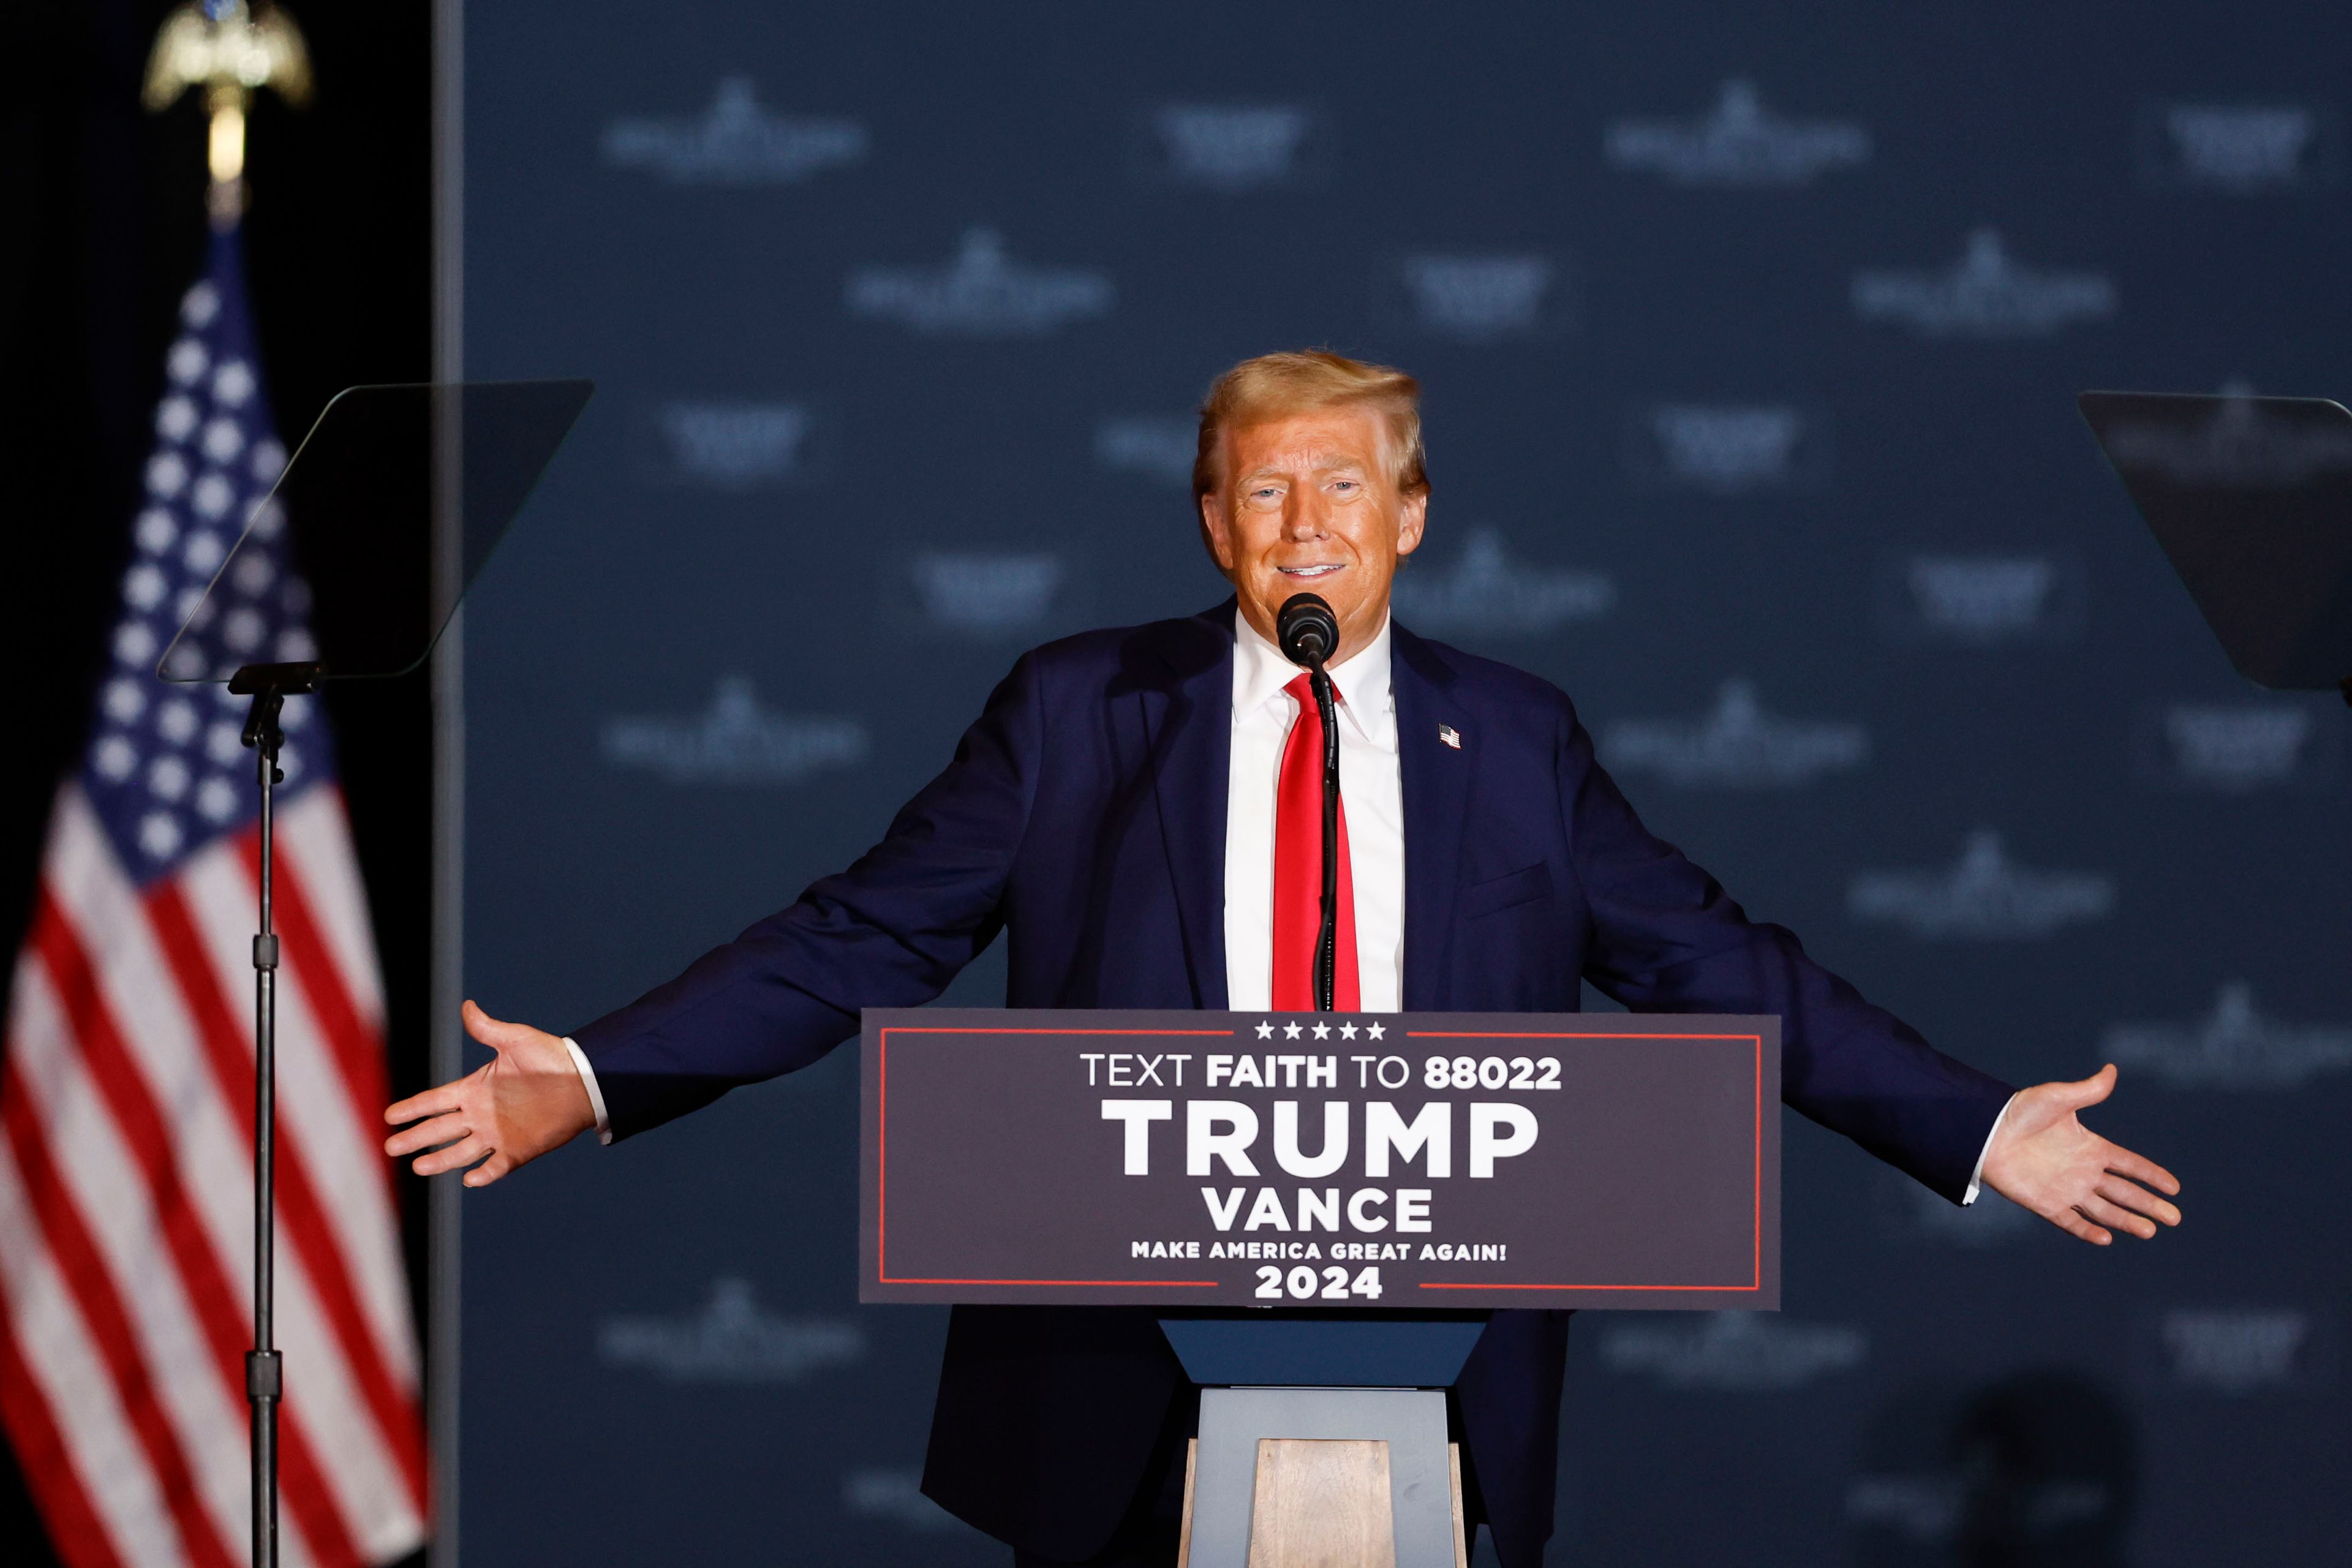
x,y
1084,817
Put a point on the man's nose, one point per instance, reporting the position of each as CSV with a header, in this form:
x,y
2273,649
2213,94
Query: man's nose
x,y
1307,517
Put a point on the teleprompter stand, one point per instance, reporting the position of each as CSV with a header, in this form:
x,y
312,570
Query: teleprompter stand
x,y
269,685
420,482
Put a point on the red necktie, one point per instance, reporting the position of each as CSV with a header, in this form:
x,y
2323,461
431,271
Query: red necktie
x,y
1298,871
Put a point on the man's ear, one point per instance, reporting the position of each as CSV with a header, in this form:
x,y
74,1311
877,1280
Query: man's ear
x,y
1413,520
1213,533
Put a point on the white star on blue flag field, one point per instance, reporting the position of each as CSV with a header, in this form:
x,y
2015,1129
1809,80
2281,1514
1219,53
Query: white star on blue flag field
x,y
166,770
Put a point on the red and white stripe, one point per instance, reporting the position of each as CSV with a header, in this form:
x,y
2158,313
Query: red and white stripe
x,y
126,1186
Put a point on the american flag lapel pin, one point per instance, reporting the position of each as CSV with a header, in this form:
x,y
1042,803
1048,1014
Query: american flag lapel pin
x,y
1450,735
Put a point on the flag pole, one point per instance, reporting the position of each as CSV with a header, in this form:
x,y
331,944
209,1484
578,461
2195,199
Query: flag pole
x,y
231,53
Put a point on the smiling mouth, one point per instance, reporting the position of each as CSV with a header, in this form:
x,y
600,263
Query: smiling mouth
x,y
1307,571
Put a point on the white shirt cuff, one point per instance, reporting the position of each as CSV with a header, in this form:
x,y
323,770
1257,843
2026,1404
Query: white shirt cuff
x,y
605,1124
1976,1177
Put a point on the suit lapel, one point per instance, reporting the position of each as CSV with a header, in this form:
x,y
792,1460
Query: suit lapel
x,y
1436,778
1188,717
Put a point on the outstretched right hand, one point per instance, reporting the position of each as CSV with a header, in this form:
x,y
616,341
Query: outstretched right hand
x,y
523,1102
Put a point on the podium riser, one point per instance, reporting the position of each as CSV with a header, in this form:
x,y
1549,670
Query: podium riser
x,y
1322,1477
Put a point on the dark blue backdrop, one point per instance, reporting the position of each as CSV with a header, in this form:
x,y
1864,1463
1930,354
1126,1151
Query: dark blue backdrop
x,y
1749,344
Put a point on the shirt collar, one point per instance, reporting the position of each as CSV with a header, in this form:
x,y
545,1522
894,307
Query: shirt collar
x,y
1361,682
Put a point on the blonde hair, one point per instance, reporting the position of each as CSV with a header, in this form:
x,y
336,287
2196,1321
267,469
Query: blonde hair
x,y
1300,381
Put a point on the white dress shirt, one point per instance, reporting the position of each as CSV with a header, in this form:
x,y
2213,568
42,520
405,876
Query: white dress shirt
x,y
1371,788
1371,784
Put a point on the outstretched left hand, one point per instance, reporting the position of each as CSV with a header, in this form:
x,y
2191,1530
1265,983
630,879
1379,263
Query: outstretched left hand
x,y
2046,1160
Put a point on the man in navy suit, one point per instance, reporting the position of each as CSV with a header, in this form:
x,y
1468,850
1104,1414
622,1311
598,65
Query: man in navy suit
x,y
1128,811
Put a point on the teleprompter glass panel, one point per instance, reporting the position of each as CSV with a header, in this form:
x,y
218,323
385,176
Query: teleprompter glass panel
x,y
405,491
2251,498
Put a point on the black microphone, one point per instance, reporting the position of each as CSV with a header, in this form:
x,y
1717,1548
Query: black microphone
x,y
1306,630
1309,633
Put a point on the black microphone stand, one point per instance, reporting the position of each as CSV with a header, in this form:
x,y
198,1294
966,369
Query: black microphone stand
x,y
1326,939
269,685
1308,634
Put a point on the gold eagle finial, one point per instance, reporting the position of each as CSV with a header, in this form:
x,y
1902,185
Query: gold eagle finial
x,y
232,53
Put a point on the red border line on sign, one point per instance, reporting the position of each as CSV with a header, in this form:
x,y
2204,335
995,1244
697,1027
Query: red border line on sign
x,y
1473,1285
882,1275
1757,1262
1643,1035
1121,1284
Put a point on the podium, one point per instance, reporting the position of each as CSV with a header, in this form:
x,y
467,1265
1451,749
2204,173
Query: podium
x,y
1322,1208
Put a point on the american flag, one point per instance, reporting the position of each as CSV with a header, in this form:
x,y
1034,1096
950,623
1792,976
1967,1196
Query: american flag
x,y
126,1093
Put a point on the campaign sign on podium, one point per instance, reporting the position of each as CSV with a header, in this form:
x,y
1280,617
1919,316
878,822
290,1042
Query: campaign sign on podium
x,y
1418,1159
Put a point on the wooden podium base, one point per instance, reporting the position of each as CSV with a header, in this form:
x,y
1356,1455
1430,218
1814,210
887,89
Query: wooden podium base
x,y
1322,1503
1322,1442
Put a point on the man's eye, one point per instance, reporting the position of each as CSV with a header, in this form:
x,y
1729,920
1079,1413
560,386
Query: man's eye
x,y
1346,484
